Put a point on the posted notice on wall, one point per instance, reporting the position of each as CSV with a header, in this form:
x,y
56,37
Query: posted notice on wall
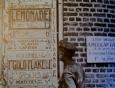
x,y
100,49
30,43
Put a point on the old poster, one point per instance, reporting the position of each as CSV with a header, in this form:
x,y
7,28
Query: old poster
x,y
29,49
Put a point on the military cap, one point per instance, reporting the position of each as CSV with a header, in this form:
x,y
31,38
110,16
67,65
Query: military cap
x,y
66,45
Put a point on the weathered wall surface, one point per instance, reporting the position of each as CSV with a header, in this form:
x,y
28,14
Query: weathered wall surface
x,y
29,37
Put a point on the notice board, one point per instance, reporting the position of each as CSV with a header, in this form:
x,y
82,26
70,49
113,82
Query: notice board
x,y
100,49
29,43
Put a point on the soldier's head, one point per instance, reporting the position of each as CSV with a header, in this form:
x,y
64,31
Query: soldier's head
x,y
66,50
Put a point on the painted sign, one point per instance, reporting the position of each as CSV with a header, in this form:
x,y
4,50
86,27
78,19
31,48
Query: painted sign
x,y
100,49
29,17
30,43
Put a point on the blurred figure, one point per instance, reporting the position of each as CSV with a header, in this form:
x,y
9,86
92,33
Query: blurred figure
x,y
73,74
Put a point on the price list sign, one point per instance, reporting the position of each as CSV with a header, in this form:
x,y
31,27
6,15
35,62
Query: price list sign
x,y
30,48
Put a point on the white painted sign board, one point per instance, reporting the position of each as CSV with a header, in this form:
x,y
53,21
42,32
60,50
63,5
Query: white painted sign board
x,y
30,49
100,49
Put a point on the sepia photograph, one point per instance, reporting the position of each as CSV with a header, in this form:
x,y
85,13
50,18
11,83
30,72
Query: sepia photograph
x,y
57,43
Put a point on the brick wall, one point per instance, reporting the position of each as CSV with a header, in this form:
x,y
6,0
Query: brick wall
x,y
90,18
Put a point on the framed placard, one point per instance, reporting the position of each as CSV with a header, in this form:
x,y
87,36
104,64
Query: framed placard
x,y
100,49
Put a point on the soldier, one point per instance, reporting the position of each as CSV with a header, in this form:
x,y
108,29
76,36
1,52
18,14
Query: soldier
x,y
73,75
